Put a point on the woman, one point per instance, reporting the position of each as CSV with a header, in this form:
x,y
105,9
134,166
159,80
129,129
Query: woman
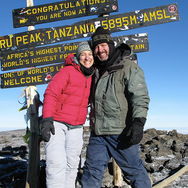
x,y
64,113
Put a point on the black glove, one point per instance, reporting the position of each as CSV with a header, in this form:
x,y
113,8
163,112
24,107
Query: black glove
x,y
137,130
47,128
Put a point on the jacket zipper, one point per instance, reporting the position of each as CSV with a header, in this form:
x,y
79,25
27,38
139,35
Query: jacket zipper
x,y
86,83
82,99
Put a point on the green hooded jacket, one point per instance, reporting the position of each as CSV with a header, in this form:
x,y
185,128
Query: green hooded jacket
x,y
118,96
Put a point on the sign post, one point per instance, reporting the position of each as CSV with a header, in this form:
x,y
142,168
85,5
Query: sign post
x,y
117,173
118,179
33,170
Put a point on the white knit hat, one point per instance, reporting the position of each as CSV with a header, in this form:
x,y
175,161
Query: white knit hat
x,y
82,46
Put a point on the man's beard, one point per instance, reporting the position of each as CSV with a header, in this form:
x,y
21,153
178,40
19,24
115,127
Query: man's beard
x,y
103,59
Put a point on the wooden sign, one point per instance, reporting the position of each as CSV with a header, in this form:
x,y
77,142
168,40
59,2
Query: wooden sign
x,y
82,29
35,76
57,53
137,42
61,10
29,77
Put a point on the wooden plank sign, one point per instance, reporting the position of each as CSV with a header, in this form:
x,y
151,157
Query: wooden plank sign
x,y
57,53
137,42
82,29
36,56
61,10
35,76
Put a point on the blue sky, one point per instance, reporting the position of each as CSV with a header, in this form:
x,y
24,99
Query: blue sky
x,y
165,65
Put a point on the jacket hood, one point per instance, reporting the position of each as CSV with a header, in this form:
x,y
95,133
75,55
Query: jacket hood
x,y
122,51
71,60
125,50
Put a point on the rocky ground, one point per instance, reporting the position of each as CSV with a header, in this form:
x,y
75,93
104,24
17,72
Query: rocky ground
x,y
163,153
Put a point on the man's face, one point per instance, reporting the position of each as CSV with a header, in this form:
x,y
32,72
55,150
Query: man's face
x,y
102,51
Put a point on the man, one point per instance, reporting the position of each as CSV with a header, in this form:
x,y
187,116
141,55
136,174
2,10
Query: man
x,y
119,105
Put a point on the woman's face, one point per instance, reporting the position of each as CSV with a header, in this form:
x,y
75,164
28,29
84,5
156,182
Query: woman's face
x,y
86,58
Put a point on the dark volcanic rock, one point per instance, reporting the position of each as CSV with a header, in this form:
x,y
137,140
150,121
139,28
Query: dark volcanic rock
x,y
162,152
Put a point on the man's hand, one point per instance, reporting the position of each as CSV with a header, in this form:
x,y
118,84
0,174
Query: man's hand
x,y
137,130
47,128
